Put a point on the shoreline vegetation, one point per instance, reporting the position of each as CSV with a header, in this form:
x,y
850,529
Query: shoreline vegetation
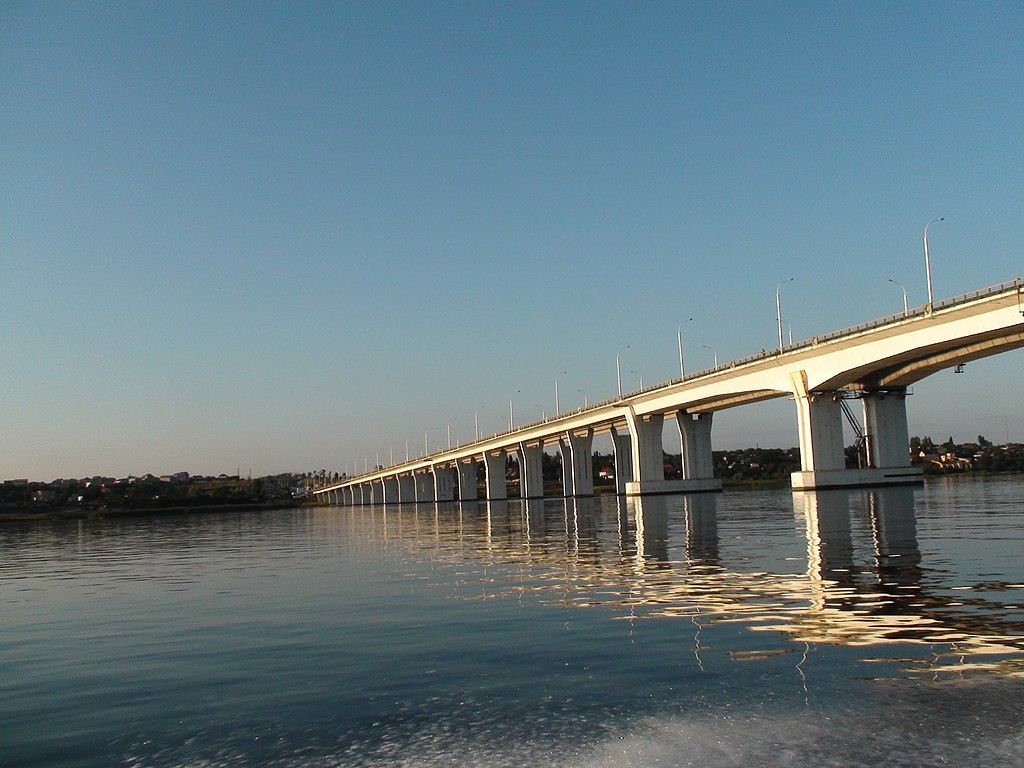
x,y
181,493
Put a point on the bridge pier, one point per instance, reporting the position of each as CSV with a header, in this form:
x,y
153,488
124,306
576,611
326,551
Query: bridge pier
x,y
468,471
346,496
531,471
649,456
822,456
577,463
622,447
444,483
495,482
406,489
376,491
391,490
424,482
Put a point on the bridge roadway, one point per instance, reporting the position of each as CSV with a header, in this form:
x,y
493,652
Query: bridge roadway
x,y
873,362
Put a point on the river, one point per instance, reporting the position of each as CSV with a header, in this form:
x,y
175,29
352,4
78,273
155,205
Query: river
x,y
751,627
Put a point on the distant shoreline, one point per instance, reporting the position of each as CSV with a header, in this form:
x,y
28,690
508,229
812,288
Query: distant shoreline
x,y
78,513
28,515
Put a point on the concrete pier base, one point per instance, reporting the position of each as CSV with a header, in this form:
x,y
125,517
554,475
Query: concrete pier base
x,y
657,487
856,478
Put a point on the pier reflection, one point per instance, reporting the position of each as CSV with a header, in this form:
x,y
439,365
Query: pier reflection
x,y
857,578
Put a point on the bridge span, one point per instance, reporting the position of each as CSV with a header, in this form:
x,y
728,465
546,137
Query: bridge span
x,y
872,363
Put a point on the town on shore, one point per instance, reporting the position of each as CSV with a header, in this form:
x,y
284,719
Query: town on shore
x,y
182,491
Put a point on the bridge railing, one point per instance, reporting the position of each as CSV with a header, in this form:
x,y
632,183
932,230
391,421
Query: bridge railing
x,y
879,322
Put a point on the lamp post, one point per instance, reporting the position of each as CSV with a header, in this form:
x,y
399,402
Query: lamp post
x,y
639,376
586,400
406,450
906,307
558,409
511,414
449,437
679,338
928,261
476,421
618,372
778,307
715,353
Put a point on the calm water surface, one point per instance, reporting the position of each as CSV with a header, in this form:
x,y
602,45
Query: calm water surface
x,y
744,628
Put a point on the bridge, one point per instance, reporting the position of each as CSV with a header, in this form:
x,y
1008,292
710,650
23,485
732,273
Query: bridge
x,y
872,363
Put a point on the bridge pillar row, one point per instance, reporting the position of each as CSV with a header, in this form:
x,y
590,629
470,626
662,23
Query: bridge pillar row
x,y
495,482
444,483
622,448
577,463
822,457
468,471
649,457
406,489
391,490
531,471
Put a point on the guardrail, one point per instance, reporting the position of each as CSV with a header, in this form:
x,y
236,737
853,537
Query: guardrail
x,y
915,312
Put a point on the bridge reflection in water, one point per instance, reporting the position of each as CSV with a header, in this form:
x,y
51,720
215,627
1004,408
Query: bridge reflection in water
x,y
662,557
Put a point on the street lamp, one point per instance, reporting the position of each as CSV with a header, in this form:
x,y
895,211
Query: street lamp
x,y
705,346
476,421
927,260
906,308
778,307
586,401
558,410
511,414
618,373
679,338
639,376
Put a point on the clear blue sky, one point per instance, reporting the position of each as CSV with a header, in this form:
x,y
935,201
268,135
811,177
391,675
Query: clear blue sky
x,y
285,237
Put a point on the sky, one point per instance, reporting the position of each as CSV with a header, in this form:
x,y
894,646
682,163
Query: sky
x,y
282,237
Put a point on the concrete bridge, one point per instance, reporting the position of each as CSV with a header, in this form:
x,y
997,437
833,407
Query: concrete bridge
x,y
873,362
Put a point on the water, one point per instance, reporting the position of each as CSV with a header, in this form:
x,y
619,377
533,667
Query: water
x,y
744,628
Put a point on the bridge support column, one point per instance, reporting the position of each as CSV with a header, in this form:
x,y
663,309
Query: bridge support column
x,y
695,439
495,482
377,492
406,489
649,459
391,490
468,471
424,487
531,471
577,463
822,458
885,427
444,483
346,496
622,446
